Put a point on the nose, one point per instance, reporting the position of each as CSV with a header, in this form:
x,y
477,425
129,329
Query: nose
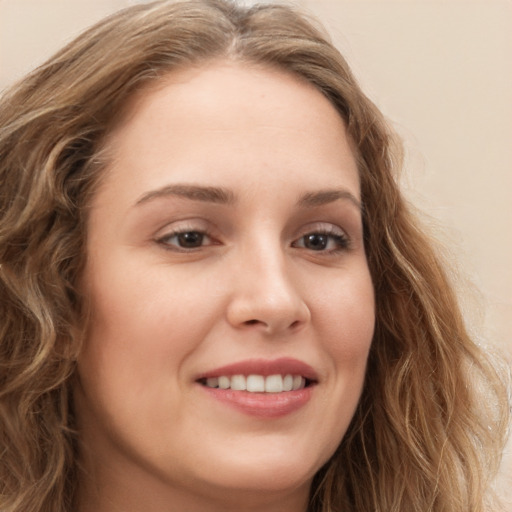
x,y
266,297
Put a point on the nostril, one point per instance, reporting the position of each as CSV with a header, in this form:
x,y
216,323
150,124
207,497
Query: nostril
x,y
269,325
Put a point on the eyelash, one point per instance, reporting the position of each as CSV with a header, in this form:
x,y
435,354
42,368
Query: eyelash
x,y
340,239
165,240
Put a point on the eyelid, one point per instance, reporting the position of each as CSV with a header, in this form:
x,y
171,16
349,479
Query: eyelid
x,y
163,236
322,227
339,236
181,227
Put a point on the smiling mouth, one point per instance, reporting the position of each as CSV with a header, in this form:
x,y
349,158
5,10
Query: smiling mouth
x,y
258,383
261,388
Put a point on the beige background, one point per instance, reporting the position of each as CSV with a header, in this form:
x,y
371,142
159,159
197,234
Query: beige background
x,y
440,70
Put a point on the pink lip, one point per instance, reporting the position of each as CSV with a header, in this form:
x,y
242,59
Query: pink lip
x,y
265,367
263,405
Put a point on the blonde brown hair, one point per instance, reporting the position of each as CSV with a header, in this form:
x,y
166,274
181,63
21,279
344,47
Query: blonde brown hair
x,y
430,424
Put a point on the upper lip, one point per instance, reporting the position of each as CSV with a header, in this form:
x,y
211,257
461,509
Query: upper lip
x,y
265,367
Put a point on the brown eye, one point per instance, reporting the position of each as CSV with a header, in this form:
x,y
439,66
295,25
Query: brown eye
x,y
319,241
185,240
316,241
190,239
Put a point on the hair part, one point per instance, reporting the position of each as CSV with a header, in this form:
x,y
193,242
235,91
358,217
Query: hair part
x,y
422,437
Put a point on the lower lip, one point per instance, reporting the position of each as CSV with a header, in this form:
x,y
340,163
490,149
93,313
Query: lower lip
x,y
263,405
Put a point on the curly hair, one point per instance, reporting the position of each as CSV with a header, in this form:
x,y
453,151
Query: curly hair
x,y
431,421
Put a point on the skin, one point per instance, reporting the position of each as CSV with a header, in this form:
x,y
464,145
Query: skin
x,y
253,287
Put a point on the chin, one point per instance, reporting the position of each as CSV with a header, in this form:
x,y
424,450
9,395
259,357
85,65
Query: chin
x,y
276,471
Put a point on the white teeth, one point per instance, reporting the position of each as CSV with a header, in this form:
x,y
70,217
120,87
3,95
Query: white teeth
x,y
255,383
258,383
224,382
288,383
212,382
298,382
274,384
238,383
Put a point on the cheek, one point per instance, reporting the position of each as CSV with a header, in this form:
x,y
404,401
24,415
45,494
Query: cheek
x,y
144,324
347,310
348,321
344,318
148,303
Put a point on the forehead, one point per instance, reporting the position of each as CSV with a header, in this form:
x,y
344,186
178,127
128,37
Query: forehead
x,y
199,121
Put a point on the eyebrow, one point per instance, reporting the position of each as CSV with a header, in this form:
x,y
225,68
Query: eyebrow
x,y
220,195
322,197
192,192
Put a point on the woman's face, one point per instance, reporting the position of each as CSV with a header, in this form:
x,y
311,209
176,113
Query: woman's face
x,y
225,251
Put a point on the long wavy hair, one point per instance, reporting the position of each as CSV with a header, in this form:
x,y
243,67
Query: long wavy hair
x,y
430,424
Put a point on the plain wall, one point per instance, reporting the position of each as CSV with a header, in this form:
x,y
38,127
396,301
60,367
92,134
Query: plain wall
x,y
442,73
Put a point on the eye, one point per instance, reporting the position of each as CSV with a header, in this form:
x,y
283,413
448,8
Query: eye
x,y
327,241
185,239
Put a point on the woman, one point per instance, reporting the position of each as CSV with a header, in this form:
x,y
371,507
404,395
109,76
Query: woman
x,y
213,294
